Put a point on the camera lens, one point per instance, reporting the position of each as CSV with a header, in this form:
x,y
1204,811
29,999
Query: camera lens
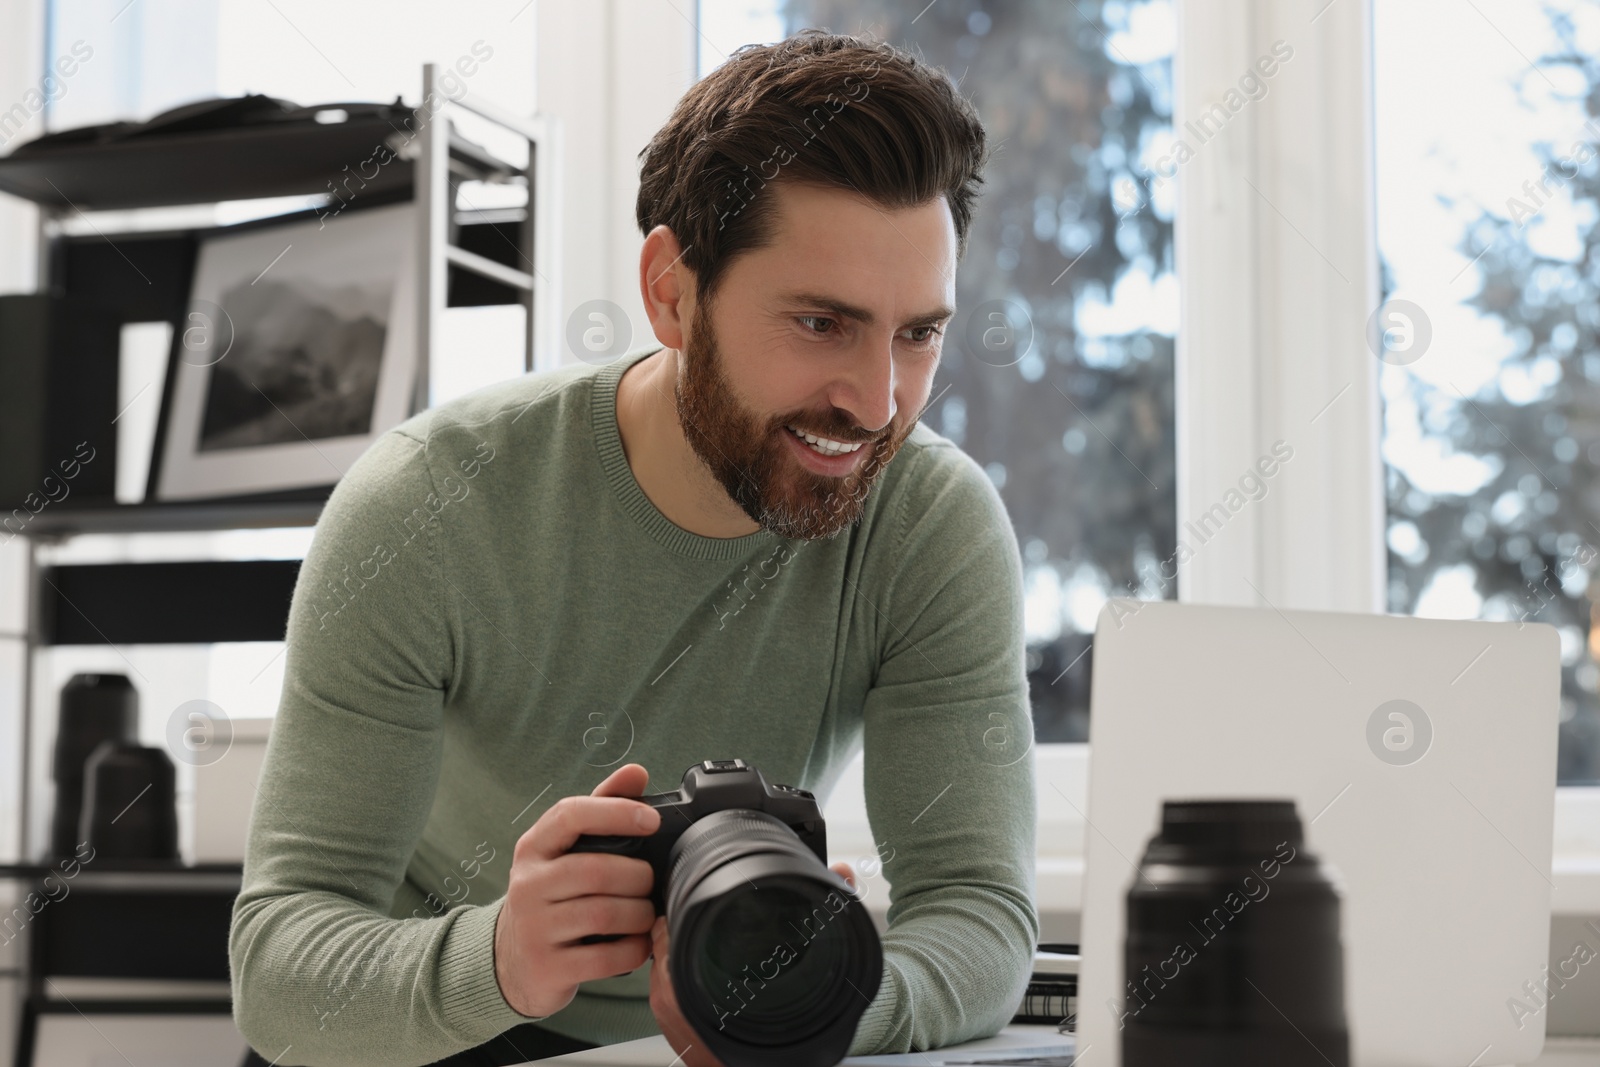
x,y
750,927
1233,952
770,952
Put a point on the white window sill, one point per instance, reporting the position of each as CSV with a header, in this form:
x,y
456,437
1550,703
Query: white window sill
x,y
1062,773
1059,885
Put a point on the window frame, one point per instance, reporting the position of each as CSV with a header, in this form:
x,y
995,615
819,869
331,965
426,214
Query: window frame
x,y
1276,245
1247,371
1256,360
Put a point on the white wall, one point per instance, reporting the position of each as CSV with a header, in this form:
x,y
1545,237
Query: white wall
x,y
21,56
610,71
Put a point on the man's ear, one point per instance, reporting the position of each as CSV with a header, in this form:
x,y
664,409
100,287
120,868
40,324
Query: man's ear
x,y
666,285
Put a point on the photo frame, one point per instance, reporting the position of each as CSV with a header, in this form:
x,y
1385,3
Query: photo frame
x,y
296,351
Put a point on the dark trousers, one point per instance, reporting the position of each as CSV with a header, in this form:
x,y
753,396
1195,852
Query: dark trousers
x,y
516,1045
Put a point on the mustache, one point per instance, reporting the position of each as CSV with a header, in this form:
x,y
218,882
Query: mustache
x,y
850,434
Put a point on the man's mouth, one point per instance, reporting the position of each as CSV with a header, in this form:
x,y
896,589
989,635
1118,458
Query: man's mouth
x,y
825,445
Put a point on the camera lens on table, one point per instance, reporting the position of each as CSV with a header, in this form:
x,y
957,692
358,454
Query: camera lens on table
x,y
1233,954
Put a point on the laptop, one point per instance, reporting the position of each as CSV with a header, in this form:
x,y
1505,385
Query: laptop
x,y
1421,755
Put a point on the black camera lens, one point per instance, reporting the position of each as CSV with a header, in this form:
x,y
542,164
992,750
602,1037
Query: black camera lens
x,y
749,927
770,950
774,959
1233,953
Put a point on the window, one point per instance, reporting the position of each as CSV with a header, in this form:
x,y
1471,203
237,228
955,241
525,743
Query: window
x,y
1488,188
1057,373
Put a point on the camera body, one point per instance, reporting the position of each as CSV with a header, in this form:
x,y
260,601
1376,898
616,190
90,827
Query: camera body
x,y
772,956
708,787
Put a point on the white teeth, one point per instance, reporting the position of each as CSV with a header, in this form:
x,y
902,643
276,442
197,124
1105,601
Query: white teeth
x,y
827,446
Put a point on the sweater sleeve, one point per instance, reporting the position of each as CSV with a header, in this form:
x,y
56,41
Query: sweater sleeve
x,y
321,974
948,738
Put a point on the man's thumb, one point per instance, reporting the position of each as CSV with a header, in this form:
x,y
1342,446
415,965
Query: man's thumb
x,y
845,871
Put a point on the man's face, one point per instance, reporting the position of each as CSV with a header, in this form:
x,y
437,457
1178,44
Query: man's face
x,y
834,329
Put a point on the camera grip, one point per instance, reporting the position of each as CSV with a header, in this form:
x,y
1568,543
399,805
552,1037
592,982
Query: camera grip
x,y
617,845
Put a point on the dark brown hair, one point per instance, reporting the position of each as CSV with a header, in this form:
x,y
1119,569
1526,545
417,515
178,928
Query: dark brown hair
x,y
817,107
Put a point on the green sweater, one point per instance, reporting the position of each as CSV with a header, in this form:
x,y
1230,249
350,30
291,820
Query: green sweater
x,y
493,615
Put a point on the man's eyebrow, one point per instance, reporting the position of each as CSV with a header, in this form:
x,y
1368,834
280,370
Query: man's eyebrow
x,y
845,310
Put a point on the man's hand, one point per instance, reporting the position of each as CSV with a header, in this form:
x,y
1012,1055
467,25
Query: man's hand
x,y
554,898
664,1002
847,872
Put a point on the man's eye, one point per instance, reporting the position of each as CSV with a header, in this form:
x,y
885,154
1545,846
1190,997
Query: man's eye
x,y
925,334
808,320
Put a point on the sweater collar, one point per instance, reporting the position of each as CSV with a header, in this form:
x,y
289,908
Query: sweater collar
x,y
614,461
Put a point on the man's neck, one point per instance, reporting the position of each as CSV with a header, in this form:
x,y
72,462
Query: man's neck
x,y
663,463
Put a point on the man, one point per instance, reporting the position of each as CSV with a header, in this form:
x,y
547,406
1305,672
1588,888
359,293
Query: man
x,y
739,542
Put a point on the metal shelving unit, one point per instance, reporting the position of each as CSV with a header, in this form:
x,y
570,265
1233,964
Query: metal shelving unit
x,y
480,266
534,285
464,259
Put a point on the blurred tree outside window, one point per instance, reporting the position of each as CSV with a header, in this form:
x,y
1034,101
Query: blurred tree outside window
x,y
1488,195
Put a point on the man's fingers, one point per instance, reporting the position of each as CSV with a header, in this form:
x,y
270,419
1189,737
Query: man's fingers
x,y
629,780
558,829
584,874
605,959
573,919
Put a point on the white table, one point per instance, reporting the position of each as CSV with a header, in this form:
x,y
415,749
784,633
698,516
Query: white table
x,y
655,1052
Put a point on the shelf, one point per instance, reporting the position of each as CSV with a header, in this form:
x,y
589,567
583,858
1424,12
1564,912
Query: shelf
x,y
506,254
193,602
119,867
133,875
54,521
268,160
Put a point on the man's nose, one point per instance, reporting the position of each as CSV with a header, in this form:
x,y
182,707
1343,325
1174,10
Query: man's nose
x,y
867,388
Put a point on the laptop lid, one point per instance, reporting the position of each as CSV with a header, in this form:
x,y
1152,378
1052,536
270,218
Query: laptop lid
x,y
1421,755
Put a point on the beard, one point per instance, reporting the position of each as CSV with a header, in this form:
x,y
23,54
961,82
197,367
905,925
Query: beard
x,y
747,456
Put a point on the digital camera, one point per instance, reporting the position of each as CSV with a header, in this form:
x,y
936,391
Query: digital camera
x,y
772,956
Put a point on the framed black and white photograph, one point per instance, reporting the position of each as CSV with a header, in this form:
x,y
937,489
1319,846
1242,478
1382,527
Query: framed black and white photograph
x,y
297,348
